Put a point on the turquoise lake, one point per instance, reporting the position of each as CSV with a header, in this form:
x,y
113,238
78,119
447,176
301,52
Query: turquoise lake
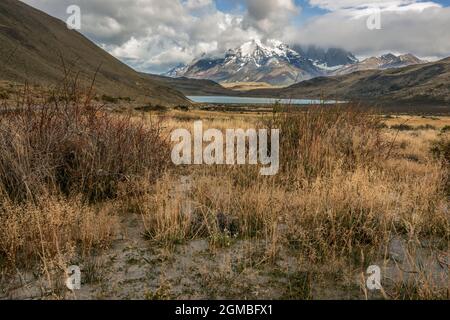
x,y
245,100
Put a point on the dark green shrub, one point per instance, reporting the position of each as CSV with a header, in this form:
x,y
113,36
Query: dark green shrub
x,y
4,95
150,107
106,98
441,149
402,127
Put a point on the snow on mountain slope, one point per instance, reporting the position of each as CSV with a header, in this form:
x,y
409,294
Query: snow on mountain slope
x,y
276,63
272,62
386,61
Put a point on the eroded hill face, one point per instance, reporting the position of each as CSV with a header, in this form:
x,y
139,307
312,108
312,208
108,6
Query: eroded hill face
x,y
192,87
39,49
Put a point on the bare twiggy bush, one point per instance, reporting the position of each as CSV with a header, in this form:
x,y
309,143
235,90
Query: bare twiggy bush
x,y
75,148
62,161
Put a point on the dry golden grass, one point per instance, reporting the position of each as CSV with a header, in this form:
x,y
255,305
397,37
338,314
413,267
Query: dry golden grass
x,y
64,163
347,188
53,230
418,121
374,195
246,86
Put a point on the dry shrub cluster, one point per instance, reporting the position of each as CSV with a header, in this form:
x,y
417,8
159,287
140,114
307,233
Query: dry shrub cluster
x,y
53,228
342,192
345,189
62,161
364,209
75,149
348,187
332,216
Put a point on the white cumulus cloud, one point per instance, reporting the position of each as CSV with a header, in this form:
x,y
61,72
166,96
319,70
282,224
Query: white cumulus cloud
x,y
154,35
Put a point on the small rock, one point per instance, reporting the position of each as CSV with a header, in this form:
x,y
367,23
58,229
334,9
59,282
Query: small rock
x,y
397,250
227,223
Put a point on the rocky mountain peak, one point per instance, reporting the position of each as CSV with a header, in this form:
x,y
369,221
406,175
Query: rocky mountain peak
x,y
277,63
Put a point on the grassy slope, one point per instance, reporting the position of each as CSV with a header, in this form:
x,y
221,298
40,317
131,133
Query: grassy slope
x,y
246,86
33,45
192,86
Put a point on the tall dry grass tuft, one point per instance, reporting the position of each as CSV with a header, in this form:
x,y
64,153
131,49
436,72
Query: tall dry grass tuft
x,y
440,149
53,229
364,209
314,141
165,212
220,213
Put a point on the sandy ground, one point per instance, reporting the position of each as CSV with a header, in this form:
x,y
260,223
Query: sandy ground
x,y
135,268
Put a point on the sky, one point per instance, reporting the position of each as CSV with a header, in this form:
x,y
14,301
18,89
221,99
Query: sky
x,y
156,35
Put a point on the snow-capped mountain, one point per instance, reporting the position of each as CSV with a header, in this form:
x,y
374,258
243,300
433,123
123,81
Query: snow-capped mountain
x,y
332,58
272,62
254,61
176,71
386,61
276,63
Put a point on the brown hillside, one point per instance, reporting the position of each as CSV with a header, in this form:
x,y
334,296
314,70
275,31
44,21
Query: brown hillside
x,y
34,46
425,84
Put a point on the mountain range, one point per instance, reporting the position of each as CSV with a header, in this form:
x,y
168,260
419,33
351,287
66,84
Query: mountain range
x,y
417,85
39,49
276,63
387,61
